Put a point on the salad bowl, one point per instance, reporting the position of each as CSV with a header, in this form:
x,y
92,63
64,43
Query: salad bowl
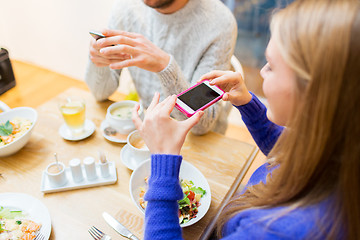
x,y
188,173
19,142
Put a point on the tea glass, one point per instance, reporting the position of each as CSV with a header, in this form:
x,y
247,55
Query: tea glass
x,y
73,112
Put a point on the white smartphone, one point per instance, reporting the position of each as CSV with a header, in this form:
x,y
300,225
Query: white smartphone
x,y
97,35
198,98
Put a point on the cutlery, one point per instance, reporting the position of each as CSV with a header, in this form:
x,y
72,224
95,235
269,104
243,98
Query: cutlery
x,y
39,236
97,234
121,229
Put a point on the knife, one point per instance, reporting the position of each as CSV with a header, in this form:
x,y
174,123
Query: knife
x,y
121,229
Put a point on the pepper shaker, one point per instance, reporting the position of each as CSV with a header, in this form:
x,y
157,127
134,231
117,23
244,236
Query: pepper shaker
x,y
89,164
76,171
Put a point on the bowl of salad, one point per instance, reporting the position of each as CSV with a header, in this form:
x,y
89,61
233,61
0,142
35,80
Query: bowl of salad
x,y
196,198
16,126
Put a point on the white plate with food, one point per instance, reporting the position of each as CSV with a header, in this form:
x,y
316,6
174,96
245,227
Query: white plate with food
x,y
31,208
191,180
16,126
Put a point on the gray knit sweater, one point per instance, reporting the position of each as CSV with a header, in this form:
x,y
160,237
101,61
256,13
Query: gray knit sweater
x,y
200,37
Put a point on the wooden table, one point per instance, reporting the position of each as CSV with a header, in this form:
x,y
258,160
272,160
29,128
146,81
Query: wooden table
x,y
219,158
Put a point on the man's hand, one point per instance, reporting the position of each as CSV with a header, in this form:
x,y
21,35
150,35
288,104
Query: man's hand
x,y
125,49
99,59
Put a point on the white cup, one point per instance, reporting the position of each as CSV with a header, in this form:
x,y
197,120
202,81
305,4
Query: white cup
x,y
118,116
56,174
137,147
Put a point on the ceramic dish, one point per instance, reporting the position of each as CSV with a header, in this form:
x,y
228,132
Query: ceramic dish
x,y
20,112
89,129
85,183
187,171
129,159
32,207
4,107
120,139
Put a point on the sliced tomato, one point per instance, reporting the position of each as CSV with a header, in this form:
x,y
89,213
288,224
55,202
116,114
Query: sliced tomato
x,y
190,195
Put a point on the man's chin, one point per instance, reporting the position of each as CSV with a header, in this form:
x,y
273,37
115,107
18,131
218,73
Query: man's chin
x,y
159,4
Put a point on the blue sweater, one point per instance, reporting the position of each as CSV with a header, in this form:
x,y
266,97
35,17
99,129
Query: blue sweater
x,y
161,216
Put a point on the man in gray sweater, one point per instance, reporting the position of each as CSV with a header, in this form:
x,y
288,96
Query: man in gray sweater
x,y
166,45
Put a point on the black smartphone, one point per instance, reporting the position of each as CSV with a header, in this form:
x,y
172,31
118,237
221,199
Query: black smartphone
x,y
198,98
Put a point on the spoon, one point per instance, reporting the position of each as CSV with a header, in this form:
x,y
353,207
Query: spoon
x,y
57,162
110,131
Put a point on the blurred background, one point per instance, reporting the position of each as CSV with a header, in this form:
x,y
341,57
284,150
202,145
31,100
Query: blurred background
x,y
54,34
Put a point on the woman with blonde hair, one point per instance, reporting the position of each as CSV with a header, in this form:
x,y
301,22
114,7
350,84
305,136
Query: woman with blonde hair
x,y
310,187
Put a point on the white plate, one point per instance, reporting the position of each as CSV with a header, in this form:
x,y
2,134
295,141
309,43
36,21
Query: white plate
x,y
128,159
187,171
89,129
105,124
31,206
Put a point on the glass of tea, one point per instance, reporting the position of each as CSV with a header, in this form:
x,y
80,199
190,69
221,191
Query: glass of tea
x,y
73,111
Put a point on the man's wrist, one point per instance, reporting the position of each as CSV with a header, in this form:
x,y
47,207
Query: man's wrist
x,y
166,63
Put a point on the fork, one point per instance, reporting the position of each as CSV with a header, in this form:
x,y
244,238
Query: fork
x,y
97,234
39,236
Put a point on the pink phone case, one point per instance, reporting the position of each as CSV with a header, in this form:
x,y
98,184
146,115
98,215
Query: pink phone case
x,y
203,107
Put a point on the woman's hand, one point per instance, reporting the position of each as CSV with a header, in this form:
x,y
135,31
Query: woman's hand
x,y
232,83
161,133
137,50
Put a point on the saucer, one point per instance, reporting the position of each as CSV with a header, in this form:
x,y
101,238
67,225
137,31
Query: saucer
x,y
128,159
65,132
120,138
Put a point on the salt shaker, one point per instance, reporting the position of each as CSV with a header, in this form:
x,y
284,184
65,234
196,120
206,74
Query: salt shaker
x,y
104,165
76,171
89,164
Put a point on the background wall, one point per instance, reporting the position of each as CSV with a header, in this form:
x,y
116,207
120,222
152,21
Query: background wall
x,y
52,33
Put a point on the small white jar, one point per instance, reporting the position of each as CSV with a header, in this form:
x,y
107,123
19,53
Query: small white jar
x,y
76,171
90,170
56,174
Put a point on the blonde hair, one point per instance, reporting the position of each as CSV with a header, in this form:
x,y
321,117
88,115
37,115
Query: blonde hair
x,y
318,155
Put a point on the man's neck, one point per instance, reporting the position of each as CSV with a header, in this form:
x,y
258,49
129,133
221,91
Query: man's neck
x,y
176,6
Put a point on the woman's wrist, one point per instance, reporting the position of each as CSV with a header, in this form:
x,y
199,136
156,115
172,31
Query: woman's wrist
x,y
243,100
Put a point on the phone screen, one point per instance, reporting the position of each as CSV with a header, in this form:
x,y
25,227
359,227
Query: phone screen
x,y
198,96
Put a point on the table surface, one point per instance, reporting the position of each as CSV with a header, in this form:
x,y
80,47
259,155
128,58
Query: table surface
x,y
219,158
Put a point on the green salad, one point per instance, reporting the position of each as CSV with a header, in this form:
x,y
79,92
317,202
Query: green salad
x,y
188,206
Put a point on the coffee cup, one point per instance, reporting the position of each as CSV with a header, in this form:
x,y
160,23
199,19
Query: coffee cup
x,y
137,148
119,114
56,174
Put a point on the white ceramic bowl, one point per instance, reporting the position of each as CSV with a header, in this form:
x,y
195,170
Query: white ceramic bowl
x,y
22,112
187,171
125,125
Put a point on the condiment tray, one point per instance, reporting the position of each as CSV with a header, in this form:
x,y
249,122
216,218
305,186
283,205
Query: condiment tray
x,y
85,183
